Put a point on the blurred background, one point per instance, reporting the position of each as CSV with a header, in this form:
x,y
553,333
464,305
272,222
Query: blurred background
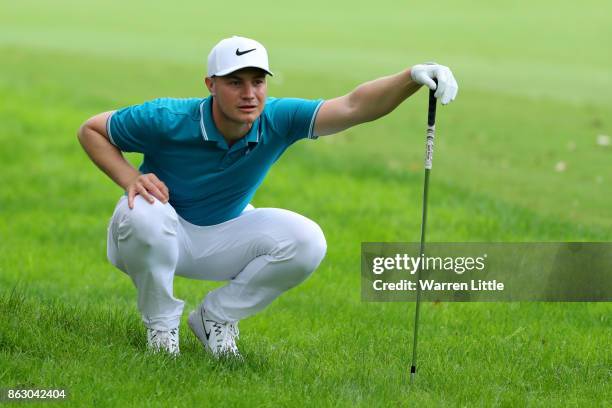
x,y
523,154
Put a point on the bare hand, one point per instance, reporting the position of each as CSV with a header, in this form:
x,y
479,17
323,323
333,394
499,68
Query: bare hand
x,y
148,186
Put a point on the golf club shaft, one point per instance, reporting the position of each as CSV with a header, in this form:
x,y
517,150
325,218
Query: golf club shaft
x,y
431,126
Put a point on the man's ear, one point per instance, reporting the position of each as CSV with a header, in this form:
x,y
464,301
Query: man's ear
x,y
210,84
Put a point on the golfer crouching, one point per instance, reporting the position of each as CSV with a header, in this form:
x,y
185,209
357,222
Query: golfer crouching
x,y
187,212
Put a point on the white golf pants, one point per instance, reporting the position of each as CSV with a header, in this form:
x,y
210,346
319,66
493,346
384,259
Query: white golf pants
x,y
261,253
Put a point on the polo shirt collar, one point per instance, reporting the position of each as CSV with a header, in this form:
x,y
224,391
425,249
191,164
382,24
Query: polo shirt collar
x,y
210,133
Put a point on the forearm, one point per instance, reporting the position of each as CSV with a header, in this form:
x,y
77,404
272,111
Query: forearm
x,y
374,99
107,157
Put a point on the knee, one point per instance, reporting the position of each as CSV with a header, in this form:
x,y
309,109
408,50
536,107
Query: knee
x,y
147,222
305,249
311,246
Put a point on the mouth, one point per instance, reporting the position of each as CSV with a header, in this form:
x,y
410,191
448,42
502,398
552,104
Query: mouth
x,y
248,108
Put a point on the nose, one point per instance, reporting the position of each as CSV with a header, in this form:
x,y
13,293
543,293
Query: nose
x,y
248,91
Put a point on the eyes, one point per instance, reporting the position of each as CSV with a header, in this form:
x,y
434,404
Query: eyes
x,y
235,83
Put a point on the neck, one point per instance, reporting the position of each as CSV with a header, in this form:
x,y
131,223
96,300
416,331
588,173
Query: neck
x,y
230,130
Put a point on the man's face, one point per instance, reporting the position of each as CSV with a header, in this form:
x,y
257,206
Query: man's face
x,y
241,95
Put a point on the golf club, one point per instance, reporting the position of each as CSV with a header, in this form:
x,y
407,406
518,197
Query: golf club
x,y
431,127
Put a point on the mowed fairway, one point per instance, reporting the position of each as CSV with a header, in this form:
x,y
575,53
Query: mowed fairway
x,y
516,159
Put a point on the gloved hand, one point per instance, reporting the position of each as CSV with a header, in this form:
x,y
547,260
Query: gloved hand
x,y
424,74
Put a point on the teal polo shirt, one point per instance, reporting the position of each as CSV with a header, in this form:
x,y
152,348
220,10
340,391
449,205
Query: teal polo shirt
x,y
209,182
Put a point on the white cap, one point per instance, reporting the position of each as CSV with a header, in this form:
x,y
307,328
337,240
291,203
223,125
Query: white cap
x,y
232,54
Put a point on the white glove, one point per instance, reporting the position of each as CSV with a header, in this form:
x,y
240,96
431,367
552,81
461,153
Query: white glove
x,y
424,74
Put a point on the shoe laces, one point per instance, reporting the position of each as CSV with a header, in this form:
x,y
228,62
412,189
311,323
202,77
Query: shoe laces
x,y
234,328
227,333
164,337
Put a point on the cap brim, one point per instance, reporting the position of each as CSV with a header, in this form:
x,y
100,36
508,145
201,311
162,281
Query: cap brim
x,y
234,69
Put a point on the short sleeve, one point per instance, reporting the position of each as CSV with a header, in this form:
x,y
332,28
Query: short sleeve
x,y
135,128
295,118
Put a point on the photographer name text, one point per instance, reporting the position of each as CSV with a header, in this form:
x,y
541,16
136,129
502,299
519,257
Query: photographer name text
x,y
431,285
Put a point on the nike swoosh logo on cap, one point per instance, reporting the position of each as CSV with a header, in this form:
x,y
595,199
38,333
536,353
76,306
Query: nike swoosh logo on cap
x,y
239,53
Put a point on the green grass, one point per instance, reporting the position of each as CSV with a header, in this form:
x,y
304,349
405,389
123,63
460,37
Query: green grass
x,y
535,90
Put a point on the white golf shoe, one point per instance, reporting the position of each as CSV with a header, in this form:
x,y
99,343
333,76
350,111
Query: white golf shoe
x,y
163,341
218,338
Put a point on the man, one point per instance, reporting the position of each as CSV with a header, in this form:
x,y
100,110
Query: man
x,y
187,212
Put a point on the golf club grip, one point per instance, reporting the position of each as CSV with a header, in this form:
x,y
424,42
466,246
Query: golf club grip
x,y
431,114
431,129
